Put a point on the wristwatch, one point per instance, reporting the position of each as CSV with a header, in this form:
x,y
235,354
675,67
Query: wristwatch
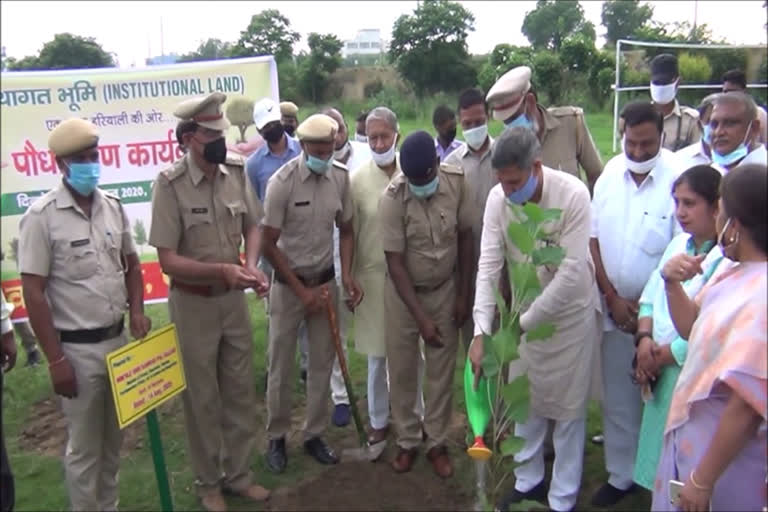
x,y
640,335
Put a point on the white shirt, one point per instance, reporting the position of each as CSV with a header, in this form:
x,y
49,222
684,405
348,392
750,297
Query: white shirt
x,y
361,153
693,155
634,224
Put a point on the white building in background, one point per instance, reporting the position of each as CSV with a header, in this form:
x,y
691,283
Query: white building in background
x,y
368,41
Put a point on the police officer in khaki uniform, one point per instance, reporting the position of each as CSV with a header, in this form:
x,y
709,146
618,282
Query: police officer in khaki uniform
x,y
288,117
202,208
426,231
681,123
304,199
565,140
79,273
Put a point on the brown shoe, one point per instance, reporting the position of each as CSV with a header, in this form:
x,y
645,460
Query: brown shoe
x,y
213,502
255,493
404,460
377,435
441,463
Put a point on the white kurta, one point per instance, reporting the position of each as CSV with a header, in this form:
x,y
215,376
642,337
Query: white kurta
x,y
560,368
369,267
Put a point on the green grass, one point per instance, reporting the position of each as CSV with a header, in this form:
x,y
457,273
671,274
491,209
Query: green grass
x,y
40,481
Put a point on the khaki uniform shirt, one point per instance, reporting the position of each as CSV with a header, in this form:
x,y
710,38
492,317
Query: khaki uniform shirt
x,y
426,230
304,205
480,178
82,258
566,142
200,218
681,127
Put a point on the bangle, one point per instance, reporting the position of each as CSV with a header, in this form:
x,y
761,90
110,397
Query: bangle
x,y
59,360
640,335
697,486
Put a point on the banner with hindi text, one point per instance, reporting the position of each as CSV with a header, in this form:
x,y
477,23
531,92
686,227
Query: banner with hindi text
x,y
133,109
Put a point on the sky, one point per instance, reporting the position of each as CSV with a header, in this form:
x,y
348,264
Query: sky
x,y
132,29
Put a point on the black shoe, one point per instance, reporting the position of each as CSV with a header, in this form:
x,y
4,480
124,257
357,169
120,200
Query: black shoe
x,y
608,495
303,378
538,493
33,357
322,453
276,457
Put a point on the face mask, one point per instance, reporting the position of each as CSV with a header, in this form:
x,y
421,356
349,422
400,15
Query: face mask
x,y
424,191
525,193
663,94
318,165
734,156
475,137
386,158
274,134
215,152
721,235
707,135
361,138
449,135
83,177
642,167
521,120
341,154
289,129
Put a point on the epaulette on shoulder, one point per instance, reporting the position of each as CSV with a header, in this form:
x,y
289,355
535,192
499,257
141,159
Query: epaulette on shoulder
x,y
451,168
111,195
340,165
690,111
234,159
398,181
39,204
566,111
178,168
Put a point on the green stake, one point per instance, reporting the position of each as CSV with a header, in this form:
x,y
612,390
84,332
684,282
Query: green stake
x,y
156,445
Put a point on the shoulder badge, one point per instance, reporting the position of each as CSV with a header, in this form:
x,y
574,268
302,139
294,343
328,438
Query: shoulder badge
x,y
340,165
39,204
451,168
178,168
565,111
234,159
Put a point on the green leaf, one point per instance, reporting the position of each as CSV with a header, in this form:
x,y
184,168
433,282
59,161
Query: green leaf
x,y
506,341
491,364
523,277
534,212
550,214
540,332
520,236
501,305
512,445
551,255
517,397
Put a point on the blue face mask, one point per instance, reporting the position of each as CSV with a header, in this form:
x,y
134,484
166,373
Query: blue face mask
x,y
318,165
521,120
525,193
707,135
734,156
424,191
84,176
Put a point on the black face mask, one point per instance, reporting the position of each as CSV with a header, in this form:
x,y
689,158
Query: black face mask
x,y
215,152
274,134
289,129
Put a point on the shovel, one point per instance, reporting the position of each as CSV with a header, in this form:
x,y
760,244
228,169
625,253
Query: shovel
x,y
367,451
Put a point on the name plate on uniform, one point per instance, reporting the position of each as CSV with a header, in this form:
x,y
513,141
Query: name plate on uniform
x,y
145,374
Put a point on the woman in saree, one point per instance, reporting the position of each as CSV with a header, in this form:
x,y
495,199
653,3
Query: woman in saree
x,y
715,437
661,350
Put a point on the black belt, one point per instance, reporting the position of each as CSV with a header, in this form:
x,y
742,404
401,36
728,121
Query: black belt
x,y
200,290
310,282
92,335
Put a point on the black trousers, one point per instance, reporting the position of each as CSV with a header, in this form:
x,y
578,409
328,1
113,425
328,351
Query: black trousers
x,y
7,496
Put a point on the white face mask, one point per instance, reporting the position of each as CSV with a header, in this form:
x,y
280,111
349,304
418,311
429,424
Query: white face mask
x,y
361,138
340,154
642,167
385,158
475,137
663,94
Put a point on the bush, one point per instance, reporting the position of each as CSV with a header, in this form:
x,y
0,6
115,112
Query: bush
x,y
548,75
373,88
405,105
694,69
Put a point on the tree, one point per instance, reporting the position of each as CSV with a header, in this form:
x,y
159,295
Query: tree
x,y
240,113
577,53
66,51
324,58
139,234
268,33
548,74
622,18
429,47
210,49
551,22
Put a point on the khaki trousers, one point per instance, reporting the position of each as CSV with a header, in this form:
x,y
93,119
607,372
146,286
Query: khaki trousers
x,y
286,314
217,349
92,455
402,339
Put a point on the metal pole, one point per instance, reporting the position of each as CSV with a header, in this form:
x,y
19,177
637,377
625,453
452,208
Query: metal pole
x,y
616,99
156,446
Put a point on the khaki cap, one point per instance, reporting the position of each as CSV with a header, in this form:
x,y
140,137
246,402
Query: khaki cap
x,y
204,110
288,108
508,92
317,128
72,136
